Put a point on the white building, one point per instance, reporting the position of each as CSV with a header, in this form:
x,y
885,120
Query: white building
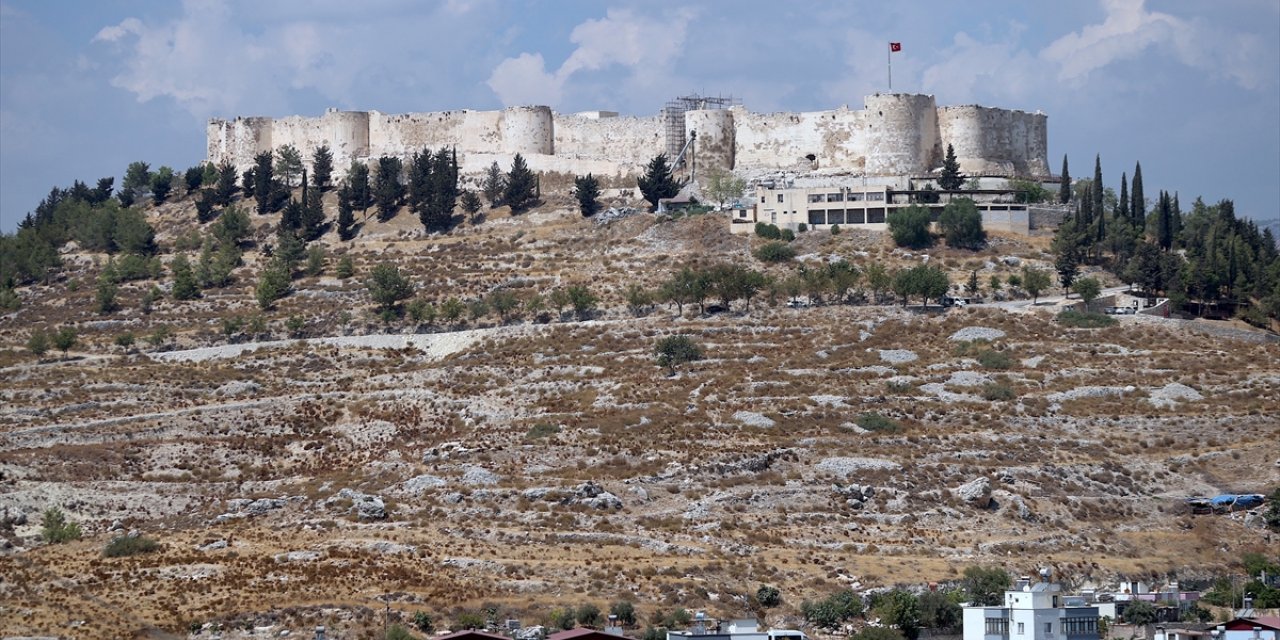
x,y
1032,611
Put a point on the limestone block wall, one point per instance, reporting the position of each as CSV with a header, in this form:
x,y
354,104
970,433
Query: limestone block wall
x,y
716,141
627,141
995,141
238,140
901,133
895,135
528,130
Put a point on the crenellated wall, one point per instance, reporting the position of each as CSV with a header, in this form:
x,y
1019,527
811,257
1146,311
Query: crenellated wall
x,y
894,135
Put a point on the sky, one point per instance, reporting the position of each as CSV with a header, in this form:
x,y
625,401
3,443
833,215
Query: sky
x,y
1191,89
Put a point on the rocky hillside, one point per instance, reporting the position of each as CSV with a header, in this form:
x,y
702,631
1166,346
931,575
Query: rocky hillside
x,y
311,463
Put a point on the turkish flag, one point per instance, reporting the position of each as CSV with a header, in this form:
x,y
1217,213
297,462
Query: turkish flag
x,y
895,46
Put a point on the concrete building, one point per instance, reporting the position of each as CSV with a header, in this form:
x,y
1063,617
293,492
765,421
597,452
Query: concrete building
x,y
1032,611
867,207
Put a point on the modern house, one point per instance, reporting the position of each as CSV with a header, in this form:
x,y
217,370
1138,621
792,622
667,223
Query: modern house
x,y
739,629
1032,611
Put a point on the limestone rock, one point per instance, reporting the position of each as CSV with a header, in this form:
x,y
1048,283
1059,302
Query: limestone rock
x,y
476,476
976,492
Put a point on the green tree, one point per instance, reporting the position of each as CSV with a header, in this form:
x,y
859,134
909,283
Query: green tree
x,y
1035,281
346,268
137,180
263,183
422,622
232,227
625,612
494,183
161,184
832,611
985,585
273,283
192,179
346,214
972,287
588,615
321,167
1088,288
673,351
185,286
900,609
961,224
312,223
587,190
768,597
388,287
471,202
909,227
504,303
288,164
1064,185
1138,204
520,184
55,528
657,182
722,186
38,343
107,290
64,338
1140,612
878,280
227,184
939,610
582,300
951,178
451,310
388,192
1122,206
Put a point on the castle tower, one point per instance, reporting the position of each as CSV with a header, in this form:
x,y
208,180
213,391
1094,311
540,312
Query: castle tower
x,y
528,130
237,141
714,148
348,137
901,133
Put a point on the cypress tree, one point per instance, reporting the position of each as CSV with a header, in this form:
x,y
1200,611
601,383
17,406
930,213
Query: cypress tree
x,y
1137,201
1175,220
519,193
1064,188
263,174
1098,197
321,167
1122,207
1164,222
346,216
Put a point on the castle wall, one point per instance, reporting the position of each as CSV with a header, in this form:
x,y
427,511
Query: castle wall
x,y
627,141
995,141
901,134
895,135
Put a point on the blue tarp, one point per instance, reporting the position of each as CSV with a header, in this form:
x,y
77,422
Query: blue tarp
x,y
1237,501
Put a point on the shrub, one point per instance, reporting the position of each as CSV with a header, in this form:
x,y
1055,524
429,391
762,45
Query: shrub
x,y
38,343
121,546
673,351
997,392
768,596
397,632
541,430
125,340
909,227
878,423
775,252
625,610
832,611
787,235
422,620
992,359
835,229
1081,320
803,227
55,528
768,231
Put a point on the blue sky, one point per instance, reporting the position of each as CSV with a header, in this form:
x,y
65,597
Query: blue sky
x,y
1189,88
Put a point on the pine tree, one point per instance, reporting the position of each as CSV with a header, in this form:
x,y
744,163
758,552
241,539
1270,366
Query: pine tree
x,y
494,184
657,182
312,212
1064,188
587,190
185,286
471,202
346,216
421,186
519,193
228,184
388,191
263,177
321,167
951,177
1137,200
358,179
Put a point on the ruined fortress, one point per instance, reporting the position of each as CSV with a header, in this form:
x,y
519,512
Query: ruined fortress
x,y
894,135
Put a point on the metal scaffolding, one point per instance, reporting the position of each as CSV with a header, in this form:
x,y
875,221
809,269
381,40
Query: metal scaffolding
x,y
673,117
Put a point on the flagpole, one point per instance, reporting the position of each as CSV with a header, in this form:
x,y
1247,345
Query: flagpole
x,y
888,56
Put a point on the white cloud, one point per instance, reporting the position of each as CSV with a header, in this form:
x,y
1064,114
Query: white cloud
x,y
972,70
645,47
1130,29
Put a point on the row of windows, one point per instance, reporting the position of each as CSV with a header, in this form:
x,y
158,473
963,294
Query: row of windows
x,y
843,216
1080,626
997,626
840,197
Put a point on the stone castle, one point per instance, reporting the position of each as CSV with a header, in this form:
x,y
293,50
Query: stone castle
x,y
894,135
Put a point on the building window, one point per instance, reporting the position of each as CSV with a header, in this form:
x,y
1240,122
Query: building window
x,y
998,627
835,197
1080,626
1021,629
761,199
779,197
1048,628
773,217
817,216
815,197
